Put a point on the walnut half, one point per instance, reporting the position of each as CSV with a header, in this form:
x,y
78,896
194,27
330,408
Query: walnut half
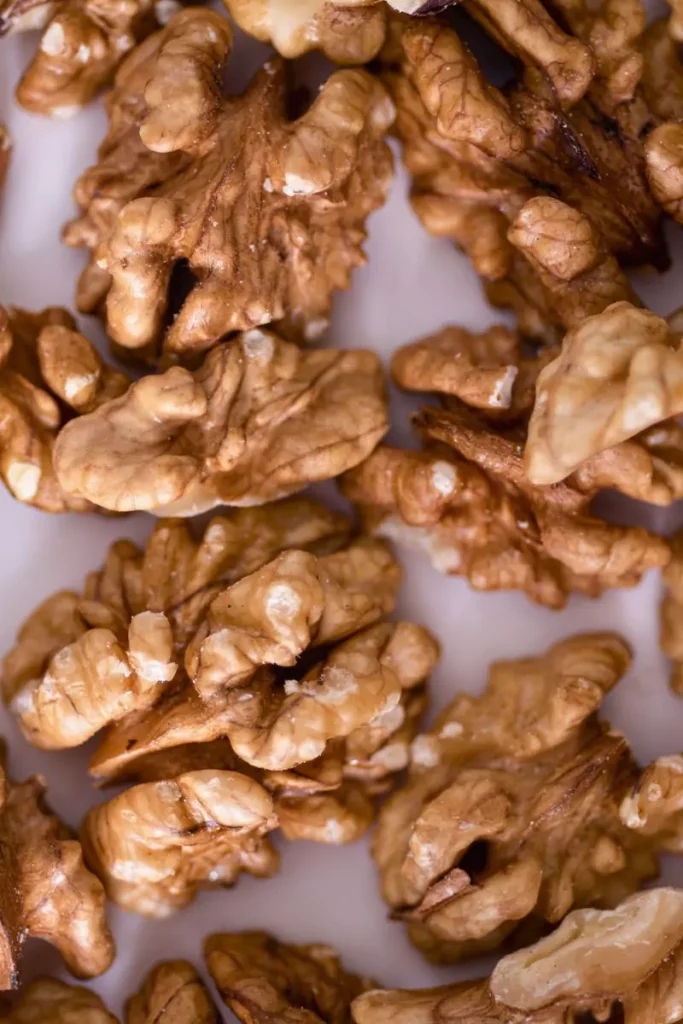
x,y
172,993
49,1001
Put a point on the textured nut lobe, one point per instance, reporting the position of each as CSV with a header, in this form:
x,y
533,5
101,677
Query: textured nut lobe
x,y
172,992
47,999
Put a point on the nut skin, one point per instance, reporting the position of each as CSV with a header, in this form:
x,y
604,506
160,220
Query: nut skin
x,y
261,979
47,892
49,373
174,992
47,999
528,777
595,964
259,420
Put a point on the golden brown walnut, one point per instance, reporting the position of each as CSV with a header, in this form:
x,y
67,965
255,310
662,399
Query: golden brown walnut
x,y
466,502
664,153
49,1001
84,660
346,31
598,965
259,420
82,44
571,131
654,808
262,979
173,993
5,150
46,892
510,815
619,373
671,613
267,214
662,80
49,373
156,844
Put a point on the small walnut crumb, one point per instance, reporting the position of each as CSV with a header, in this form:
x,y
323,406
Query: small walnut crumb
x,y
48,374
155,844
49,1000
457,855
259,420
172,992
262,979
619,373
47,892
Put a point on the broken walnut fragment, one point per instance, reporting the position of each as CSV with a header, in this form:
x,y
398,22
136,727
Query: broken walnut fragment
x,y
85,660
609,965
465,500
346,31
82,44
262,979
49,374
49,1001
618,373
173,993
267,214
46,891
156,844
510,816
259,420
671,613
5,150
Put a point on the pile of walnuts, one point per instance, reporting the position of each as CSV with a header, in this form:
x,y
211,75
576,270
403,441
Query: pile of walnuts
x,y
243,676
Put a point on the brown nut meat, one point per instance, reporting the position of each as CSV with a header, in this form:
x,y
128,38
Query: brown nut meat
x,y
46,892
510,816
49,373
664,153
82,45
618,373
671,613
5,150
172,992
598,965
259,420
84,660
346,31
262,979
466,502
269,214
156,844
654,808
49,1001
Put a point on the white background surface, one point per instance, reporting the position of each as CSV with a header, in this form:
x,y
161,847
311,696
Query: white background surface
x,y
411,286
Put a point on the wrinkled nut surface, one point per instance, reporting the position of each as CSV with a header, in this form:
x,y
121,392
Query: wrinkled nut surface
x,y
511,812
664,154
654,808
49,373
46,891
82,44
173,993
671,613
49,1001
262,979
259,420
155,844
618,373
268,214
82,661
348,32
466,502
598,965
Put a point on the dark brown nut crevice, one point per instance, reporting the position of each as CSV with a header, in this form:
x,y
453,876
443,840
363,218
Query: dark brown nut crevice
x,y
268,214
259,420
46,891
49,374
261,979
511,813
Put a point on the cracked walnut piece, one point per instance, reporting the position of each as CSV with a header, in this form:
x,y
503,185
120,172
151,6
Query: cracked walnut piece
x,y
262,979
466,502
268,214
46,892
671,613
156,844
510,815
84,660
49,373
618,374
173,993
259,420
599,965
49,1001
